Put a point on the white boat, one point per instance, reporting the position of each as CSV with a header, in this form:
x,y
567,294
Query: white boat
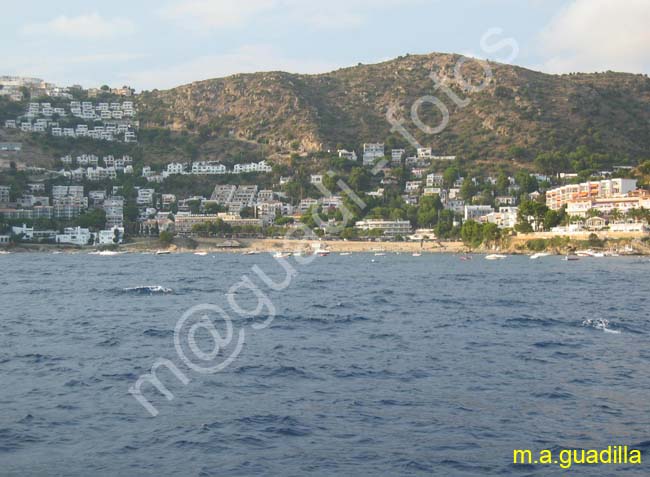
x,y
3,252
201,254
163,252
571,258
495,256
281,254
535,256
323,253
344,254
252,252
589,253
417,254
379,254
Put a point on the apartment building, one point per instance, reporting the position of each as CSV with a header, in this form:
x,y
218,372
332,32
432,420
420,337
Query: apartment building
x,y
372,152
349,155
474,212
5,193
561,196
389,228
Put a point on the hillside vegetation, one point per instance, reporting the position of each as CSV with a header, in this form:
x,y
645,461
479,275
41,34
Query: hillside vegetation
x,y
520,114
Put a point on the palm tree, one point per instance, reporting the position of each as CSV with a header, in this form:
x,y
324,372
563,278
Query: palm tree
x,y
615,215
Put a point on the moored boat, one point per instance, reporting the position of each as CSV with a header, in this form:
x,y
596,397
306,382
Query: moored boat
x,y
495,256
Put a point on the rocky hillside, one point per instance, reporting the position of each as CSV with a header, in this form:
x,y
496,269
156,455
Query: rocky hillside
x,y
519,114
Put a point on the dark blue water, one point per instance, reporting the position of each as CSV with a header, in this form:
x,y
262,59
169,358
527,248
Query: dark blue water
x,y
401,366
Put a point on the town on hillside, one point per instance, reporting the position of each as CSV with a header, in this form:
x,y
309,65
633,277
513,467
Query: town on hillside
x,y
380,191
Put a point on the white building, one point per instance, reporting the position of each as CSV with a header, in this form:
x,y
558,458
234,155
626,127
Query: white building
x,y
175,168
112,236
349,155
261,166
389,228
208,168
435,180
114,208
372,152
474,212
5,194
561,196
75,236
412,186
505,218
396,155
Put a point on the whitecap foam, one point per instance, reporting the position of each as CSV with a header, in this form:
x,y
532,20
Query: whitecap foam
x,y
600,324
148,290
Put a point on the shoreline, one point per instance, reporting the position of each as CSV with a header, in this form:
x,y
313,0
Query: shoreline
x,y
513,246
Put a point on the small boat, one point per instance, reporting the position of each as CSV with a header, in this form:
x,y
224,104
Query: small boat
x,y
252,252
163,252
417,254
379,254
571,258
281,254
495,256
535,256
344,254
3,252
322,253
201,254
465,258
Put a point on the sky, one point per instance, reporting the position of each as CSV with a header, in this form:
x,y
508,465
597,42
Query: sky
x,y
160,44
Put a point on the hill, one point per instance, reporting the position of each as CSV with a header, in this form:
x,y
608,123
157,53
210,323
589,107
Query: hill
x,y
518,115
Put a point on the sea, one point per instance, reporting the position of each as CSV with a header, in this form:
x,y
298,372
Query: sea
x,y
356,365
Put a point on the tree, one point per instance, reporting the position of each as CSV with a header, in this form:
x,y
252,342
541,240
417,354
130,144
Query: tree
x,y
526,182
502,184
428,211
552,219
468,189
552,163
491,233
536,210
350,233
93,219
445,224
359,179
247,212
449,176
166,237
214,208
472,233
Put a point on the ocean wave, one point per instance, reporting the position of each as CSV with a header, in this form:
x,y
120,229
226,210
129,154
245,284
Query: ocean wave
x,y
148,290
600,324
158,333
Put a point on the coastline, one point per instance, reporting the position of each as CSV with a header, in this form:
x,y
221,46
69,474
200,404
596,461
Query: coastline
x,y
516,245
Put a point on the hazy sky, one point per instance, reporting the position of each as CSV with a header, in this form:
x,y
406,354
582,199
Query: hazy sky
x,y
163,43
